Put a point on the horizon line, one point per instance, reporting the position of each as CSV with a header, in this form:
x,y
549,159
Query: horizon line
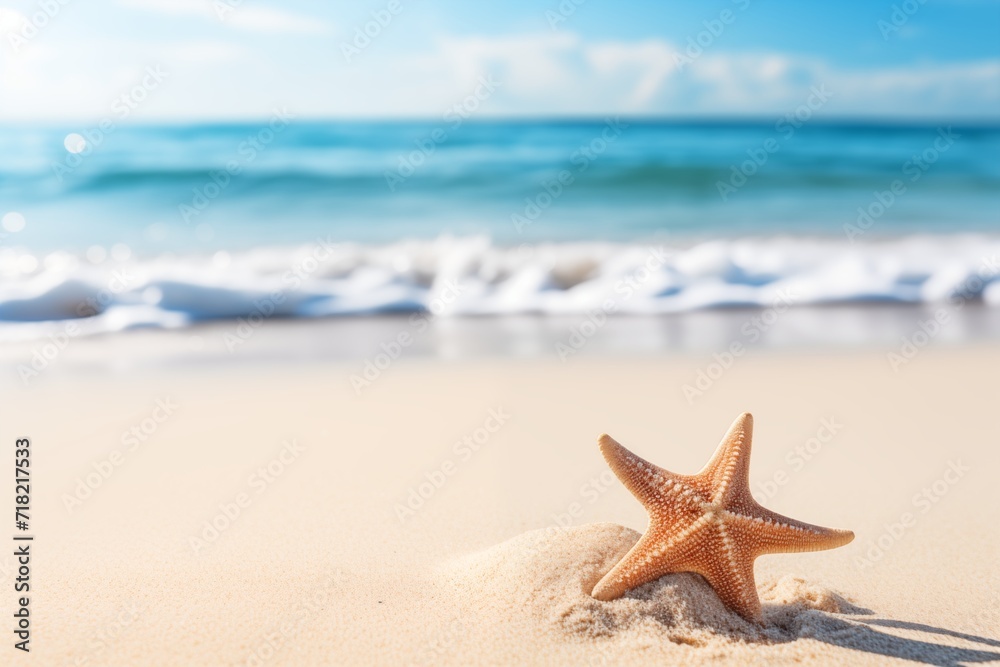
x,y
649,119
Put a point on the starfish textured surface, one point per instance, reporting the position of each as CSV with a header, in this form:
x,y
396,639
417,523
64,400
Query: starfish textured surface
x,y
706,523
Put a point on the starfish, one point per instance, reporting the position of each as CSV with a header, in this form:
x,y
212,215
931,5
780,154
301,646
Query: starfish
x,y
706,523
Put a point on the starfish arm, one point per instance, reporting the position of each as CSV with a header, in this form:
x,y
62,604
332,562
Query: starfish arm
x,y
736,587
661,550
731,575
647,482
730,465
715,550
631,571
774,533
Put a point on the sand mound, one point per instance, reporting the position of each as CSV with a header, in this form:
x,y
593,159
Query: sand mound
x,y
548,574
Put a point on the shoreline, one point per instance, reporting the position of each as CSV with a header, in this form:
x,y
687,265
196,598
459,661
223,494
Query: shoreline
x,y
381,340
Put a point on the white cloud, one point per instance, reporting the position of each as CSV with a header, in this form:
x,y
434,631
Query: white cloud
x,y
749,81
527,63
201,52
557,70
540,74
563,73
11,21
174,7
236,15
767,82
265,19
982,76
652,60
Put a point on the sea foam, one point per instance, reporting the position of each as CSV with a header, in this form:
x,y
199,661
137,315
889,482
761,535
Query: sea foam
x,y
471,276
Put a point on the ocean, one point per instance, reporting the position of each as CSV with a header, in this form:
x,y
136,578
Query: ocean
x,y
165,226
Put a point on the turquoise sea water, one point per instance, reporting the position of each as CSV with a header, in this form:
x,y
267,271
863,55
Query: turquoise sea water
x,y
123,227
169,188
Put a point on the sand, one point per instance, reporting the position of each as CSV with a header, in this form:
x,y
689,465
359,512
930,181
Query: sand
x,y
323,550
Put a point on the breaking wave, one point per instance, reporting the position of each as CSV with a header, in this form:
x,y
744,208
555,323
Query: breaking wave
x,y
473,276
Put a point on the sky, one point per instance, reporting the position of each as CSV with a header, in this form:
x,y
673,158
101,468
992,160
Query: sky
x,y
222,60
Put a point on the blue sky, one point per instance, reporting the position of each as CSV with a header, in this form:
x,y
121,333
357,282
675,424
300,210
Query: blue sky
x,y
239,59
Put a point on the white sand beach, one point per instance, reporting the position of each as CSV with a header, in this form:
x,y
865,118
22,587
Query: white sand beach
x,y
459,513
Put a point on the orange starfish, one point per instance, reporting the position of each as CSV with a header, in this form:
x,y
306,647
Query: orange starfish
x,y
706,523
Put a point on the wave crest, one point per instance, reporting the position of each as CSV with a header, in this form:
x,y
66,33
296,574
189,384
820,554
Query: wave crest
x,y
473,276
